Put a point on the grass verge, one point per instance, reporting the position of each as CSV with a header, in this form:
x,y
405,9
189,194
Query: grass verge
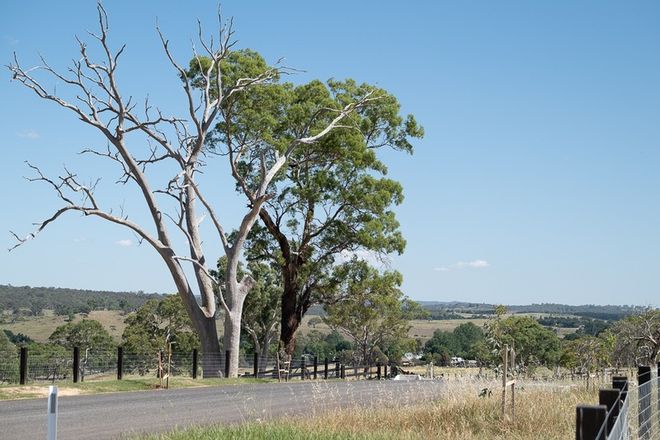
x,y
543,411
133,383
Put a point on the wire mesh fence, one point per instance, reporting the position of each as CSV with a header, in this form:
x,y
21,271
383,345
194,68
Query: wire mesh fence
x,y
629,411
56,363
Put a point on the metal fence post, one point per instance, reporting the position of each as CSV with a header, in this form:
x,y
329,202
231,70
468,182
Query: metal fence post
x,y
316,366
120,362
227,356
588,421
378,376
644,412
23,366
195,357
255,366
325,370
76,363
159,374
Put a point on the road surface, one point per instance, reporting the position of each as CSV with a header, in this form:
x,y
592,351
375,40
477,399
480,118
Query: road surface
x,y
108,416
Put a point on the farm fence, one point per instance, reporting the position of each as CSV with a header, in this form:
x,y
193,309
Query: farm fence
x,y
79,365
627,411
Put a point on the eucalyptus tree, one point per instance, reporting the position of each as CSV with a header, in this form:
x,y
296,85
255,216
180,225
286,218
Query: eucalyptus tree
x,y
637,339
332,200
372,310
261,310
147,144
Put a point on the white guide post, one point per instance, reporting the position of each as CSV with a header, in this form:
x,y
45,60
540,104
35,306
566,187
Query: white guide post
x,y
52,413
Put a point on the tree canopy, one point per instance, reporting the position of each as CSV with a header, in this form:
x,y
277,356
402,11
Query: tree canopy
x,y
372,311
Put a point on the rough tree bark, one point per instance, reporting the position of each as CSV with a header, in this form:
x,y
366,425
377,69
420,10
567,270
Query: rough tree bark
x,y
177,140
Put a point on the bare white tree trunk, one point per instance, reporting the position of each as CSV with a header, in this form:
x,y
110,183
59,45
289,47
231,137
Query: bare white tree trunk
x,y
179,141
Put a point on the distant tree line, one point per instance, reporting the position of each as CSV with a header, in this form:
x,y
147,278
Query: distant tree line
x,y
25,300
606,312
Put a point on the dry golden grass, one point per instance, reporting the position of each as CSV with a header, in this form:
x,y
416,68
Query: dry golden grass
x,y
423,329
543,411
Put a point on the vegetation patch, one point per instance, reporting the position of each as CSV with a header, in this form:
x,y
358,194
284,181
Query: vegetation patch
x,y
460,414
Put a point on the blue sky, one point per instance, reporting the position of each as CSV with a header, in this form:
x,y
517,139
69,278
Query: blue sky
x,y
537,180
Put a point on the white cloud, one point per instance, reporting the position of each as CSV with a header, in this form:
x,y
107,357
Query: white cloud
x,y
475,264
124,243
11,41
28,134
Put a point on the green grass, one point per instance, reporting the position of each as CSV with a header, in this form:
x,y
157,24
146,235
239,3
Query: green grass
x,y
134,383
5,395
270,431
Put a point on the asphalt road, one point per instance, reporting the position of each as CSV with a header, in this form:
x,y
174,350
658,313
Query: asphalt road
x,y
117,415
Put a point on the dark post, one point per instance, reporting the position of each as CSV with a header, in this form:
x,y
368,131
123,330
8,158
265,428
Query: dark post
x,y
316,366
337,372
256,365
343,372
644,412
378,371
588,421
620,383
227,356
120,362
325,370
76,363
195,357
160,364
610,398
303,366
385,371
23,365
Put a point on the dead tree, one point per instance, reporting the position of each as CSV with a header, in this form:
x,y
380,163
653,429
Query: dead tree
x,y
168,141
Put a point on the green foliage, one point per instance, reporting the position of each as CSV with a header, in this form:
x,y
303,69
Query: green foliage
x,y
533,343
97,349
158,323
49,361
86,334
587,311
17,339
586,354
330,345
8,359
372,311
33,300
331,196
262,307
462,342
637,339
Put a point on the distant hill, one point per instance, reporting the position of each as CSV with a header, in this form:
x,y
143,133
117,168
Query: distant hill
x,y
32,300
25,300
604,312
